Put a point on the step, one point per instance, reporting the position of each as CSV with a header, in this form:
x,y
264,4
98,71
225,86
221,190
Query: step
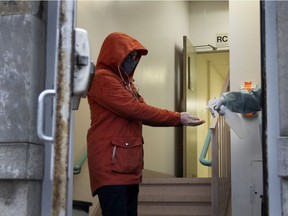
x,y
174,209
175,196
175,190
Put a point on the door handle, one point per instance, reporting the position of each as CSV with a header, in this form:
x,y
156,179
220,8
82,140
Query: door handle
x,y
40,114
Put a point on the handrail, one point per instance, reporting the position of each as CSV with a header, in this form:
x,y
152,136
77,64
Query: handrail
x,y
204,151
212,126
221,166
77,167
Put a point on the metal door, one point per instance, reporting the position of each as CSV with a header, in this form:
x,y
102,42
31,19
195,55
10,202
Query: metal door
x,y
54,111
189,104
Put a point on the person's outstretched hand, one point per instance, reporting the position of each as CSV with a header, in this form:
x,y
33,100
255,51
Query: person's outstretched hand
x,y
190,120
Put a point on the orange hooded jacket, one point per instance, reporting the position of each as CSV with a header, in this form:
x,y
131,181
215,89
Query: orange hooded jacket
x,y
114,139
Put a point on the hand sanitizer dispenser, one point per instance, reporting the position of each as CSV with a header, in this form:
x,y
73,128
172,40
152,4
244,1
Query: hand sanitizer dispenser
x,y
83,69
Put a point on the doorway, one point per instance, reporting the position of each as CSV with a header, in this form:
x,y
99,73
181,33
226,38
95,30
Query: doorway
x,y
204,74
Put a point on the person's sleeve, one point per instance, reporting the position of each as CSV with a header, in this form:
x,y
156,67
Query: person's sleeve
x,y
109,92
243,102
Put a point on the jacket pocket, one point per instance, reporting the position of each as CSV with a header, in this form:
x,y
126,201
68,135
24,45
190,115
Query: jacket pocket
x,y
127,155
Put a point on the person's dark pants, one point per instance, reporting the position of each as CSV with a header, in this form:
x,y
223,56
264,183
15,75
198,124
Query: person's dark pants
x,y
118,200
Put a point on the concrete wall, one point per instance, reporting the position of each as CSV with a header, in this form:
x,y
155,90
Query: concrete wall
x,y
274,188
277,88
22,73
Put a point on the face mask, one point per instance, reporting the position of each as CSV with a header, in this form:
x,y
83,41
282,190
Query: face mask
x,y
130,62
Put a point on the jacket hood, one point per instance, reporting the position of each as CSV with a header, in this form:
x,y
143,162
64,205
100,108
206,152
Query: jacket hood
x,y
114,50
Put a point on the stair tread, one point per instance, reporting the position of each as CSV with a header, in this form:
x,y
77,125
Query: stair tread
x,y
174,209
175,196
171,180
177,190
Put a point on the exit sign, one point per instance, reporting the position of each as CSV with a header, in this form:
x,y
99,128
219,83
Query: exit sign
x,y
222,40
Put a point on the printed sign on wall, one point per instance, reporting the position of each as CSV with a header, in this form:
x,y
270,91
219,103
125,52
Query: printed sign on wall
x,y
222,40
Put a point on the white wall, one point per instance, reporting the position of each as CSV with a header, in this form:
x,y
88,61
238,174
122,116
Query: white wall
x,y
244,66
156,73
160,27
208,18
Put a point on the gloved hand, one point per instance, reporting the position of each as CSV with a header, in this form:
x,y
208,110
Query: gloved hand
x,y
190,120
222,110
220,101
215,104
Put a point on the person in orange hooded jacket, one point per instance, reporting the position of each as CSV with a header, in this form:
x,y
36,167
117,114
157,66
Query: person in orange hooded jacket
x,y
118,111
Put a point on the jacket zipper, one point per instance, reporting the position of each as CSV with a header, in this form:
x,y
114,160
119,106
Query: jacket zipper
x,y
114,152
